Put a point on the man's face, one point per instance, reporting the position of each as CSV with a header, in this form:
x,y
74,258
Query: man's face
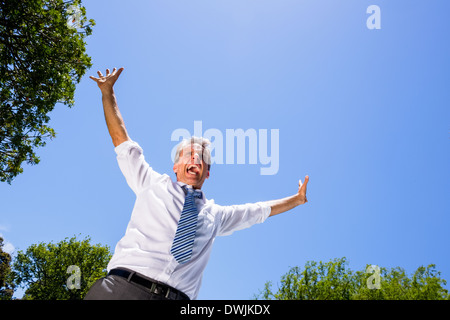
x,y
191,168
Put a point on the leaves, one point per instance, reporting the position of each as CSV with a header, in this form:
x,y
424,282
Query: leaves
x,y
42,269
6,285
333,280
42,59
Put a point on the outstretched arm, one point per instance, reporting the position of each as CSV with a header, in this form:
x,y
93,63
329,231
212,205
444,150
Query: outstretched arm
x,y
288,203
114,121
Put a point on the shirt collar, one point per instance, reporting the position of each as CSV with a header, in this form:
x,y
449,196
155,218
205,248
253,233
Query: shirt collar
x,y
181,184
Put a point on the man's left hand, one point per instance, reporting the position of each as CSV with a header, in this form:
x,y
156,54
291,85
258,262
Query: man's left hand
x,y
301,195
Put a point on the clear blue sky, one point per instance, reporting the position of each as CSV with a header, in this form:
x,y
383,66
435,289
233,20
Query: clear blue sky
x,y
365,113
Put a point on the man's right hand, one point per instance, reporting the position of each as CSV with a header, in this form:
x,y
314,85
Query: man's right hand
x,y
114,121
106,83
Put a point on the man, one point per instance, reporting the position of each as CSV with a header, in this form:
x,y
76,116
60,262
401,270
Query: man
x,y
169,238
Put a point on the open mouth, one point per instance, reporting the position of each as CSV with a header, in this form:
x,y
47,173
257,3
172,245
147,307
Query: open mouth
x,y
193,169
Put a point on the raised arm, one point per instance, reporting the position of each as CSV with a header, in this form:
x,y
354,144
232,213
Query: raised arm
x,y
288,203
114,120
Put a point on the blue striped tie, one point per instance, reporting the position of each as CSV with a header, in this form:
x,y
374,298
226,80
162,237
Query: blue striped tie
x,y
187,225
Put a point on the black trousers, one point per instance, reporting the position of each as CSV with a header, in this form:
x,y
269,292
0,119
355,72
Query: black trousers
x,y
114,287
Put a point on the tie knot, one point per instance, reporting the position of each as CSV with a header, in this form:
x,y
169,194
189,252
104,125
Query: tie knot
x,y
192,192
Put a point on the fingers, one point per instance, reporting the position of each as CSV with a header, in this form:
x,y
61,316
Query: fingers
x,y
300,184
119,71
114,72
302,189
108,73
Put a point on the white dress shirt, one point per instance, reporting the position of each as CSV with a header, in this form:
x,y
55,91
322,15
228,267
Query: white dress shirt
x,y
145,247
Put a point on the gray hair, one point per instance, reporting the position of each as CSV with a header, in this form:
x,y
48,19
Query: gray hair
x,y
203,142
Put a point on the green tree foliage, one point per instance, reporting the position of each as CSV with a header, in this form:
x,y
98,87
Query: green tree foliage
x,y
49,271
6,285
333,280
42,58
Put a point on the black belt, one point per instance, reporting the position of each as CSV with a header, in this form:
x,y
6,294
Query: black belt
x,y
153,286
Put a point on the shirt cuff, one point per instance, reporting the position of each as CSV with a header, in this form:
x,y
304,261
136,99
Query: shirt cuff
x,y
266,209
123,148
